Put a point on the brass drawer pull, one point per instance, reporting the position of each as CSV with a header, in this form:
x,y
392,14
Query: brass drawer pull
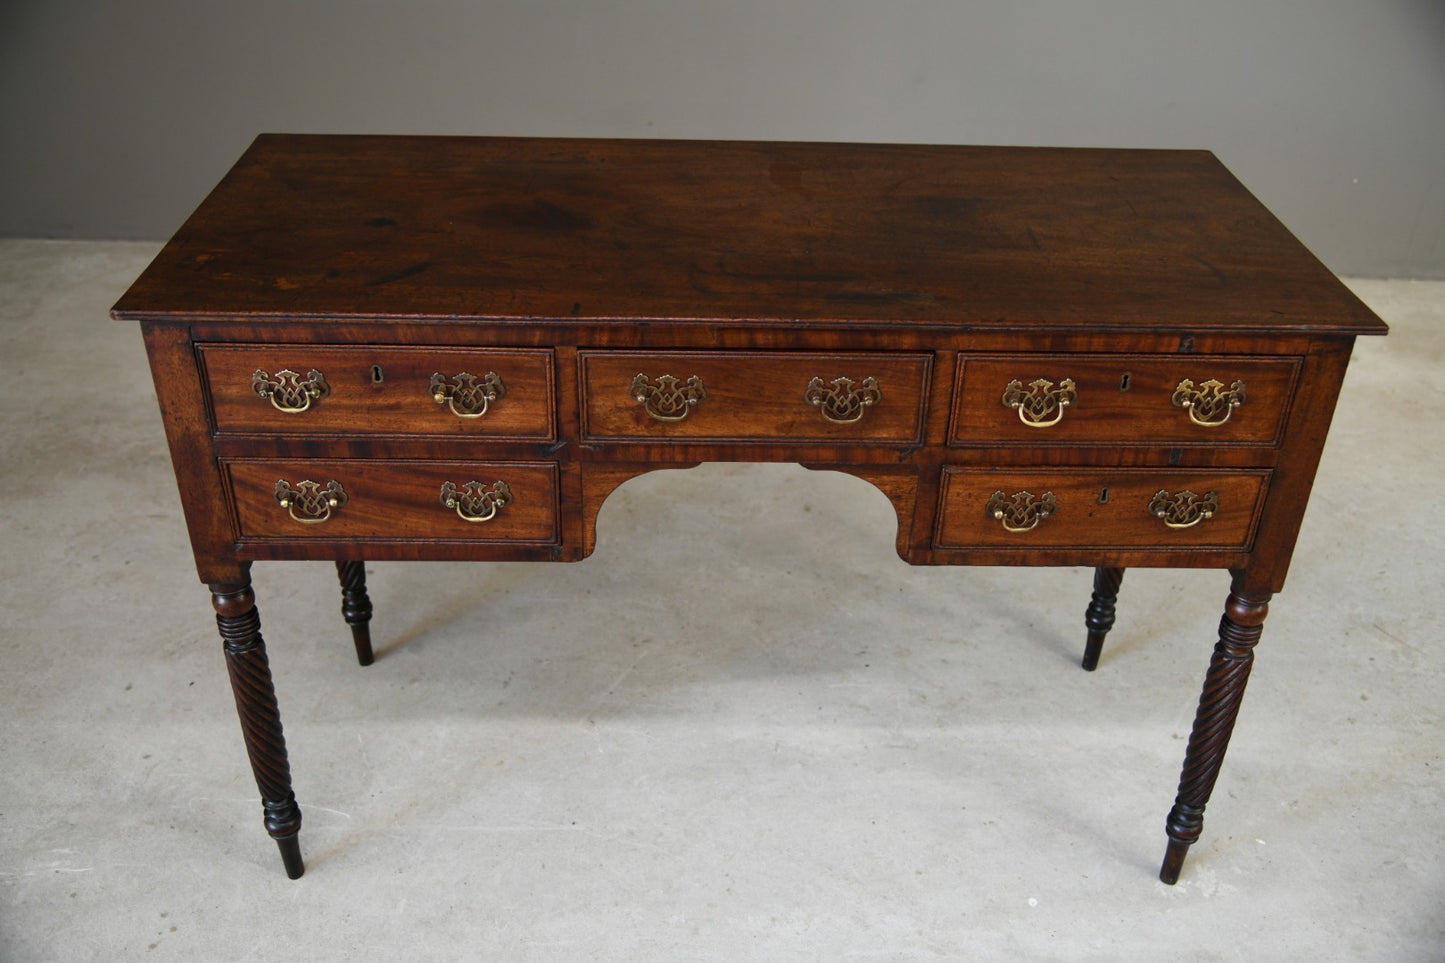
x,y
1184,510
842,401
1207,405
1021,512
1043,404
309,503
475,502
465,394
669,399
288,391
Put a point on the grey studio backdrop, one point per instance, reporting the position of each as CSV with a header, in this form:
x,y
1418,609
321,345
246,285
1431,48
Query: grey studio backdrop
x,y
118,117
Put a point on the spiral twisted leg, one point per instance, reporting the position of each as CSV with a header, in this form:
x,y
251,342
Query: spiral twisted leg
x,y
1239,631
1099,618
356,607
250,672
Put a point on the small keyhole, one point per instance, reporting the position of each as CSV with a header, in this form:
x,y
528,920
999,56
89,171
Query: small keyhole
x,y
1124,381
376,376
1103,496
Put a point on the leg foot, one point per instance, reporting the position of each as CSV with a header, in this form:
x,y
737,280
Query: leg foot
x,y
356,607
1099,618
250,672
1229,667
1173,862
290,848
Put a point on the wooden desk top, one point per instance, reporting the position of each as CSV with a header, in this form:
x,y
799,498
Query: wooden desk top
x,y
435,228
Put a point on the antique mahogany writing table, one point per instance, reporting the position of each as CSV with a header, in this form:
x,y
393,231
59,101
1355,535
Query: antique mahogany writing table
x,y
456,348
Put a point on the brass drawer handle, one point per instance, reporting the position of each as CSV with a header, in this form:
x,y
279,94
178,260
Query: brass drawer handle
x,y
1184,510
474,501
843,401
1021,512
1208,405
288,391
465,394
1043,404
309,502
669,399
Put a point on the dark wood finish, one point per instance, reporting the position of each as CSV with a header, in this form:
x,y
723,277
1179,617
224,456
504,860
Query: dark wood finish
x,y
1239,632
356,607
530,230
1098,509
240,627
1099,617
757,396
570,267
381,390
1122,400
396,500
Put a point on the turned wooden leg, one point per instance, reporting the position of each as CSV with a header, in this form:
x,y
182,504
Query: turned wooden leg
x,y
1099,618
1239,631
250,672
356,607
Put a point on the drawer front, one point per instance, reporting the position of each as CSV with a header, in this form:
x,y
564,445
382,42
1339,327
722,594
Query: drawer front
x,y
382,390
395,499
1108,508
1121,399
727,396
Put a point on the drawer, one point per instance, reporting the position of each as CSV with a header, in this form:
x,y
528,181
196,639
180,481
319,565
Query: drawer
x,y
505,501
1121,399
754,396
319,390
1108,508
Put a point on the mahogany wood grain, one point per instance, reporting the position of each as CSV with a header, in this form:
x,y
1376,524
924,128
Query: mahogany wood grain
x,y
1099,509
530,230
569,267
1122,400
381,390
750,334
754,396
1294,474
396,500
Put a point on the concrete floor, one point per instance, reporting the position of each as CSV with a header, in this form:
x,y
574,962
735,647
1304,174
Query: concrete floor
x,y
743,730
